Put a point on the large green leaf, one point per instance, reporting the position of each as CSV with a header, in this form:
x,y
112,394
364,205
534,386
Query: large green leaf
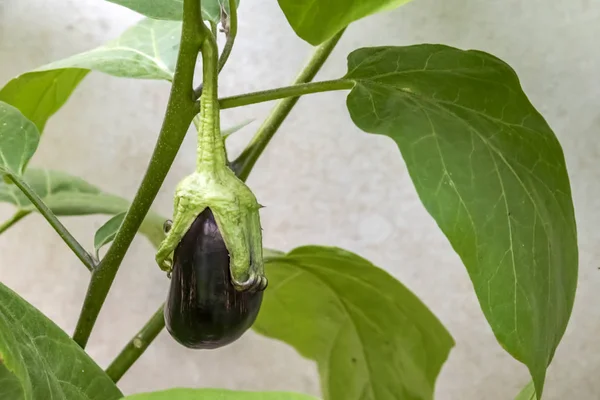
x,y
19,139
371,337
40,94
67,195
39,361
317,20
147,50
491,172
173,9
216,394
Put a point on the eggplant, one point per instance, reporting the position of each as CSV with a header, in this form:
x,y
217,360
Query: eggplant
x,y
203,309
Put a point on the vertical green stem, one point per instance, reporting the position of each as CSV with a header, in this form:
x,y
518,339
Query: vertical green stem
x,y
213,29
179,114
211,146
245,162
231,34
228,45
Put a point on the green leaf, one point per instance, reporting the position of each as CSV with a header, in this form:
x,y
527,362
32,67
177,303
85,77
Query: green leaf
x,y
40,361
491,172
371,337
63,194
157,9
10,387
108,231
216,394
19,139
318,20
38,95
528,393
148,50
173,9
67,195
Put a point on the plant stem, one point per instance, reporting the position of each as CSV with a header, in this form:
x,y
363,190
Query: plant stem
x,y
231,34
130,354
210,145
178,116
283,92
228,45
66,236
17,216
245,162
136,346
213,29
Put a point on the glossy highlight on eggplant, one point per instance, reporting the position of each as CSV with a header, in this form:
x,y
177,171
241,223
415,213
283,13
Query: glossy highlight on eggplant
x,y
203,309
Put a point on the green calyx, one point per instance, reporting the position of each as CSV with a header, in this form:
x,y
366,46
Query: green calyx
x,y
214,185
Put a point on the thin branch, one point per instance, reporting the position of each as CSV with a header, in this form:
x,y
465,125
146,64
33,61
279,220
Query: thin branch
x,y
17,216
230,28
245,162
66,236
284,92
179,114
136,346
230,25
213,29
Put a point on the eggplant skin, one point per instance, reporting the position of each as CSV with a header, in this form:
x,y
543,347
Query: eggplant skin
x,y
203,309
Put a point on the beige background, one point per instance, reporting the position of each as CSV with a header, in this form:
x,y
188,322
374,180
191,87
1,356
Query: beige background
x,y
322,180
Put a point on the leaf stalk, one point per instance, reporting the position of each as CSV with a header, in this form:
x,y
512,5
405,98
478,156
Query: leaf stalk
x,y
66,236
17,216
245,162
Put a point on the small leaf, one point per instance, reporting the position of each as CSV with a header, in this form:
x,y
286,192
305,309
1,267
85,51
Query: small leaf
x,y
148,50
19,139
318,20
230,131
108,231
216,394
528,393
491,172
38,95
370,336
67,195
173,9
40,361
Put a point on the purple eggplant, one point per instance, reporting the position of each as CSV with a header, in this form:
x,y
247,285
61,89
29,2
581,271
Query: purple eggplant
x,y
204,310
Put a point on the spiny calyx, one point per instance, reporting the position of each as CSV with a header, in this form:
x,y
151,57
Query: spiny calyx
x,y
236,213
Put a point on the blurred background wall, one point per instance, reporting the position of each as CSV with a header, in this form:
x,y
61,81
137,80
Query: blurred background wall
x,y
322,181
